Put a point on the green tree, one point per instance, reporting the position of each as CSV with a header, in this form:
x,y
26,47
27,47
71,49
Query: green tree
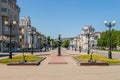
x,y
54,44
104,39
114,38
118,38
65,43
48,40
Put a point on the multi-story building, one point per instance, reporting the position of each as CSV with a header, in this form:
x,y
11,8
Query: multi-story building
x,y
29,36
9,11
25,24
81,41
32,37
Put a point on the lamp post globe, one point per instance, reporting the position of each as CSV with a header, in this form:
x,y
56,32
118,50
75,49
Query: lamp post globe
x,y
106,22
113,23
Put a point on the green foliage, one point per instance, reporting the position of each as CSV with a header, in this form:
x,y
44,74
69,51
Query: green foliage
x,y
104,39
118,38
97,58
48,39
29,58
54,44
65,43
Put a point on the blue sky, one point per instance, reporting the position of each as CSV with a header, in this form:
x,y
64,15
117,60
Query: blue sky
x,y
67,17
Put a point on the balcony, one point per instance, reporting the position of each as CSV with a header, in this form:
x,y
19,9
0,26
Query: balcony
x,y
4,14
7,33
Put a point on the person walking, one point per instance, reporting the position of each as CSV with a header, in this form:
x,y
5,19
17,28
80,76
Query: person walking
x,y
80,49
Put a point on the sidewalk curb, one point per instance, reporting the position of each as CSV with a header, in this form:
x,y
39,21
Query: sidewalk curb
x,y
26,64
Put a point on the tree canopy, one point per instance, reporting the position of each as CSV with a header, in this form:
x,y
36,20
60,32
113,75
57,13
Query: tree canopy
x,y
65,43
104,39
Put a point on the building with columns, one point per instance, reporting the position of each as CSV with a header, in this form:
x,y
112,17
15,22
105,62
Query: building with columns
x,y
25,24
29,36
9,11
81,41
27,33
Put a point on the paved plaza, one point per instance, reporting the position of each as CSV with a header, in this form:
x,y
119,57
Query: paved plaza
x,y
69,71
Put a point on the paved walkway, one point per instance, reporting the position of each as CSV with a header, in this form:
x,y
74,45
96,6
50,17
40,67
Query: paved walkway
x,y
69,71
55,59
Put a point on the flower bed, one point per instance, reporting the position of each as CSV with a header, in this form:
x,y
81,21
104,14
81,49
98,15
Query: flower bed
x,y
98,58
30,60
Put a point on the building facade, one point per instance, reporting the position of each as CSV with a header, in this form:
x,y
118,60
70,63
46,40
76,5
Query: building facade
x,y
29,36
9,11
25,24
81,41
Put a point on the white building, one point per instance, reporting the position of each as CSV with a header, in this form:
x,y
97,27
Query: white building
x,y
32,37
25,25
29,34
81,41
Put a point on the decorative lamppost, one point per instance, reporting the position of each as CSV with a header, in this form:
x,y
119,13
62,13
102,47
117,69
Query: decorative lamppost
x,y
45,44
76,44
109,25
10,45
59,45
23,59
32,33
88,43
39,37
88,29
88,36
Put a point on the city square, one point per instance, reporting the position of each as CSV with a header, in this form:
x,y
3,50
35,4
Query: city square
x,y
68,71
59,40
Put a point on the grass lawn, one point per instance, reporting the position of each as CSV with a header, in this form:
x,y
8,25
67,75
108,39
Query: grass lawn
x,y
97,58
116,50
29,58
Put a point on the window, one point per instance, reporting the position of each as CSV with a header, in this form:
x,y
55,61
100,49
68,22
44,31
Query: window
x,y
4,1
8,11
4,9
96,37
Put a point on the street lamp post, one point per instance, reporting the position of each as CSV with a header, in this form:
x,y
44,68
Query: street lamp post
x,y
88,43
10,45
32,33
59,45
109,25
45,45
32,44
22,47
39,37
75,44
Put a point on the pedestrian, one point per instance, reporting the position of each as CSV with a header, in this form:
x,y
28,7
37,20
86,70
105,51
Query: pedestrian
x,y
75,49
79,49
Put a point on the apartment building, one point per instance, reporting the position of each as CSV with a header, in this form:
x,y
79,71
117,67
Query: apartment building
x,y
9,11
25,24
81,41
33,34
28,35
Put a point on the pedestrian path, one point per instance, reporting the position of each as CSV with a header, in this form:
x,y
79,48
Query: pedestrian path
x,y
70,71
55,59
